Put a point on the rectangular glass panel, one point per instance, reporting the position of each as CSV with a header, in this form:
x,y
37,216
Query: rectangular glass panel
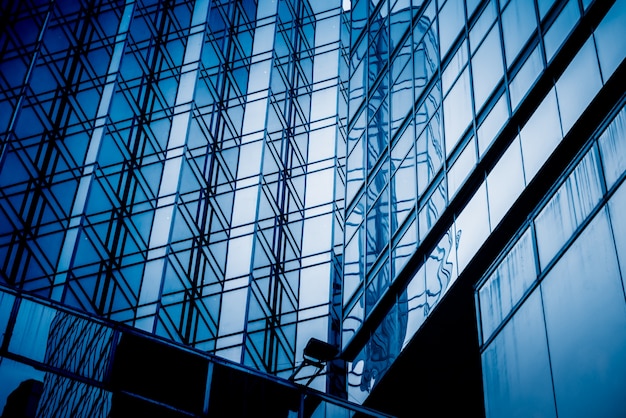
x,y
507,284
578,85
505,182
613,149
560,28
516,368
587,350
568,208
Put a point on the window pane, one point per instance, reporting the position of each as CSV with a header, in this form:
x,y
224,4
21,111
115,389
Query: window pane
x,y
487,68
568,208
618,222
457,111
518,22
461,168
507,284
613,149
505,182
472,227
516,370
492,124
610,51
578,85
540,135
451,20
586,280
561,28
32,327
525,78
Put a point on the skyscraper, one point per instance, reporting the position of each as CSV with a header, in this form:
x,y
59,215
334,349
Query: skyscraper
x,y
431,188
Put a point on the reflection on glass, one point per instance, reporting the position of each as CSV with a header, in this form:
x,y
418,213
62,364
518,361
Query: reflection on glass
x,y
20,388
405,248
381,350
432,210
584,281
417,308
451,20
441,270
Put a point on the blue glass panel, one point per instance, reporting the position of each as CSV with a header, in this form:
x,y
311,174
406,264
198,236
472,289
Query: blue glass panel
x,y
518,22
405,248
578,85
461,168
505,287
32,327
505,182
483,24
568,208
13,375
540,135
613,149
487,67
587,351
516,368
525,78
457,111
451,20
6,305
441,270
618,222
432,209
492,124
611,52
561,27
416,304
472,227
544,6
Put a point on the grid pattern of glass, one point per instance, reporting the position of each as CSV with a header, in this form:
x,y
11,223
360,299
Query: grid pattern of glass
x,y
432,85
172,165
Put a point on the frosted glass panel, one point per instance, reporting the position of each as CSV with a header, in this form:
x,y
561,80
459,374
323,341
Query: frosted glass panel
x,y
569,207
507,284
613,149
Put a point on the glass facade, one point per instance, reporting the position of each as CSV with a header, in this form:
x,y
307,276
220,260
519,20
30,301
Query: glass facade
x,y
491,93
176,167
221,181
